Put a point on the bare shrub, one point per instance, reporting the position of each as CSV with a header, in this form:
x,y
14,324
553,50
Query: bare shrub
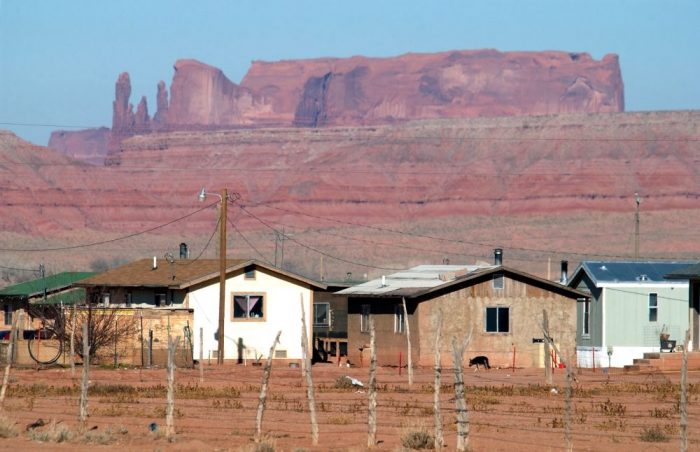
x,y
8,429
653,435
418,439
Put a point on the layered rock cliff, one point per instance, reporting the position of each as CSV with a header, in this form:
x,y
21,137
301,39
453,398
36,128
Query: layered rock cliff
x,y
371,91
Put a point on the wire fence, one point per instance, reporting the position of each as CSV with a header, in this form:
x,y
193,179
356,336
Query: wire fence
x,y
506,409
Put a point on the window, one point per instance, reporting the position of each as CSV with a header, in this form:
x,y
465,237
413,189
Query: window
x,y
248,306
250,273
498,281
399,319
7,308
364,319
653,307
159,299
322,314
497,319
586,317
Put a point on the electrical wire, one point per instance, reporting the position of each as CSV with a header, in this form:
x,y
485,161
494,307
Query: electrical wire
x,y
135,234
303,245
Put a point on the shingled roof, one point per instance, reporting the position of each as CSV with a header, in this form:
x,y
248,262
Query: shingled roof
x,y
178,274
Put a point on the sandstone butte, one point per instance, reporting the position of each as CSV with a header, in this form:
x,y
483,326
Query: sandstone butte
x,y
360,91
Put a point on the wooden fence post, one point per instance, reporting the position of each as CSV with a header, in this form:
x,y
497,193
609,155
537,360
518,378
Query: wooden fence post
x,y
568,391
201,355
372,396
683,406
84,382
547,353
306,368
263,389
72,339
409,358
461,409
436,393
170,406
10,357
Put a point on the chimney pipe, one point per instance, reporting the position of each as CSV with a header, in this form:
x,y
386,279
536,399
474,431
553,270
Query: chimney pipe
x,y
155,262
184,252
564,272
498,256
383,281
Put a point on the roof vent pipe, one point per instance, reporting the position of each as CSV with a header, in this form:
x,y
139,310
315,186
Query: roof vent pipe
x,y
498,256
155,262
564,272
184,252
383,281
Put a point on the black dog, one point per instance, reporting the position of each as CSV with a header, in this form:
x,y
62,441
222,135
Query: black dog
x,y
483,360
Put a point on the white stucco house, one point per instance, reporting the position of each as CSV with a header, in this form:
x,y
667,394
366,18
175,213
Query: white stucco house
x,y
260,301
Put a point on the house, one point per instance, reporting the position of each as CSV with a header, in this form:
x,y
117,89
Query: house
x,y
260,301
35,295
631,303
503,308
691,275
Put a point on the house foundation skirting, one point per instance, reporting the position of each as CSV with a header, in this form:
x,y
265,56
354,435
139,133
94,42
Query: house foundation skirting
x,y
621,356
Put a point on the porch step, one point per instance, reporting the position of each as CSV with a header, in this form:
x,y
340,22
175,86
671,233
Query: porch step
x,y
663,362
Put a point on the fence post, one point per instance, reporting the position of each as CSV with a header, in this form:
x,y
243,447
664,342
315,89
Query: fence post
x,y
263,390
683,406
116,336
201,355
568,392
306,368
10,355
86,374
72,339
409,358
547,354
170,406
372,417
150,348
438,376
460,394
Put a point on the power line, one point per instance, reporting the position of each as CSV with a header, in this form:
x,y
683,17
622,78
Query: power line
x,y
85,245
20,269
442,239
34,124
303,245
262,256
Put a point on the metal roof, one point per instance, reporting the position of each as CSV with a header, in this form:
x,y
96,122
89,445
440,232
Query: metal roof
x,y
51,283
412,281
689,272
615,272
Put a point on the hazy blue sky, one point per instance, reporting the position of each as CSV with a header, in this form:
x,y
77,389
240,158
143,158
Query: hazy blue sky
x,y
59,60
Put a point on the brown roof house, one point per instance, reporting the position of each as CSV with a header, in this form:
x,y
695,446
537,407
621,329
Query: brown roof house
x,y
503,308
260,301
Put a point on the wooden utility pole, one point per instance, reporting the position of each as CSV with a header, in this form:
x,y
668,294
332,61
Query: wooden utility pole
x,y
438,378
262,398
72,340
306,368
372,395
201,355
222,274
547,352
409,358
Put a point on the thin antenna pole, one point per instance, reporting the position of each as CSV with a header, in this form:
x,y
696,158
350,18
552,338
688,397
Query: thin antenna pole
x,y
637,200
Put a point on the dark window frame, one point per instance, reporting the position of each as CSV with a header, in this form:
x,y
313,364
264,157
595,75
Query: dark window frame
x,y
495,318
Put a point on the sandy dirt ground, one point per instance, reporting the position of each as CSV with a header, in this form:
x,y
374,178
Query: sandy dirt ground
x,y
507,409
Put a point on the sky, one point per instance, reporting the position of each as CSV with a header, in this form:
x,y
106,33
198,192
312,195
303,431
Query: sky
x,y
59,60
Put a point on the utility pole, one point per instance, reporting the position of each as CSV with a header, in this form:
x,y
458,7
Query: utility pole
x,y
222,274
637,199
224,198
